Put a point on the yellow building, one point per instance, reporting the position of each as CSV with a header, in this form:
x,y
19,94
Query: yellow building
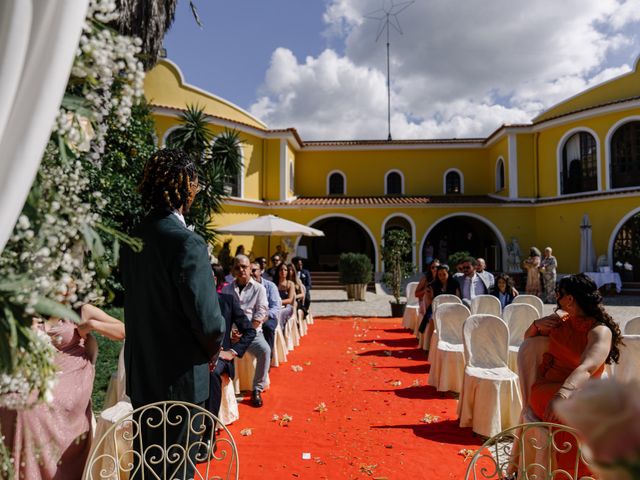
x,y
531,184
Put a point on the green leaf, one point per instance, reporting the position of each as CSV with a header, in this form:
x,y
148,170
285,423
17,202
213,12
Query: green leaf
x,y
50,308
78,104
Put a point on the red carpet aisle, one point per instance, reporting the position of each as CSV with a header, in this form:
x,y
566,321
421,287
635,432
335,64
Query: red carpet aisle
x,y
363,370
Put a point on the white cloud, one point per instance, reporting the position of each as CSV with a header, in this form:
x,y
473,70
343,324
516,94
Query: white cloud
x,y
462,67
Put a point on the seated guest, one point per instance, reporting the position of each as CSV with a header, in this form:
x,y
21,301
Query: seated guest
x,y
273,299
276,259
471,284
480,270
287,293
422,293
237,339
292,275
305,278
253,300
53,440
262,261
504,290
218,275
442,284
581,341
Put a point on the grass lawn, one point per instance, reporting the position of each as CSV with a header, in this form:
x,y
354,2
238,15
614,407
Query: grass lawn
x,y
107,363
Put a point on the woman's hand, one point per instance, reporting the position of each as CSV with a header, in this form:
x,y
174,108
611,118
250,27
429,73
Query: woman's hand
x,y
548,323
550,414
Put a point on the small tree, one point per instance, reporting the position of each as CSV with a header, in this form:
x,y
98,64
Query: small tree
x,y
355,268
395,249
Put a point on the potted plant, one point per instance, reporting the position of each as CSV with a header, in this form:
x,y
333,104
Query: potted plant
x,y
355,273
395,251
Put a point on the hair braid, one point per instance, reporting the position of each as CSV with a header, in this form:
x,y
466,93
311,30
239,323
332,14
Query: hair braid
x,y
167,178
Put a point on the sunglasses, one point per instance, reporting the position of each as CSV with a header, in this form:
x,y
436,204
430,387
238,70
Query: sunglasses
x,y
253,270
466,268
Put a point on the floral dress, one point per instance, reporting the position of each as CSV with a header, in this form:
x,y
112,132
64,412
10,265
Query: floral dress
x,y
531,265
548,267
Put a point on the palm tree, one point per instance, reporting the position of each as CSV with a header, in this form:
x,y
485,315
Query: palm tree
x,y
149,20
218,162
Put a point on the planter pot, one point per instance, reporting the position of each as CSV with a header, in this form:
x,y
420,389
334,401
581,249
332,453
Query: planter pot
x,y
397,309
356,291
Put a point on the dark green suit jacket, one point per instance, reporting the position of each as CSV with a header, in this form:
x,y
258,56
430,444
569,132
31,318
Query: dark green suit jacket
x,y
172,316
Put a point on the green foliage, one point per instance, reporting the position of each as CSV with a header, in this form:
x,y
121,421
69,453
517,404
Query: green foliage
x,y
355,268
456,258
107,363
395,249
218,163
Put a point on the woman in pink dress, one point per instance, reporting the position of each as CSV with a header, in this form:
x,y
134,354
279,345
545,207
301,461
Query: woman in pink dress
x,y
52,441
532,266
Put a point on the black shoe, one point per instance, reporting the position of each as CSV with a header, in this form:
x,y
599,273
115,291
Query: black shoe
x,y
256,399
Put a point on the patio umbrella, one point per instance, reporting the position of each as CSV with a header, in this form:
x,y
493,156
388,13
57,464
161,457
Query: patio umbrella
x,y
269,225
587,251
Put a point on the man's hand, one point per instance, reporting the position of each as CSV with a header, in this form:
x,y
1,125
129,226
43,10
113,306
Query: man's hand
x,y
226,355
256,324
235,336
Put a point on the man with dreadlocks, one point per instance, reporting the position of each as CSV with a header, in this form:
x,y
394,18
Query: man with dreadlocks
x,y
174,326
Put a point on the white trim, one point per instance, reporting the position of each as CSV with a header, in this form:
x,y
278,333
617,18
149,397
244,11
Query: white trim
x,y
499,187
166,134
344,181
444,180
559,149
488,223
413,232
376,253
404,146
614,233
182,83
512,143
607,151
283,169
386,175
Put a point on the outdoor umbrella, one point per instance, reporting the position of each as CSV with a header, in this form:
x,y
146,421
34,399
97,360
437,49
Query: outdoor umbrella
x,y
269,225
587,251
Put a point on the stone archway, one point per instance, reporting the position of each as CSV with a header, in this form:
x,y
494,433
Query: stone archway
x,y
464,233
626,247
341,235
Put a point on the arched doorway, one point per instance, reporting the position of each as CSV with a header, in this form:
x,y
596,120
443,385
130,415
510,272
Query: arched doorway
x,y
626,248
340,235
398,222
463,233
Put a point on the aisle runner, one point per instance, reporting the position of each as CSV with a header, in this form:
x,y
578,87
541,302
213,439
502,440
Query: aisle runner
x,y
356,393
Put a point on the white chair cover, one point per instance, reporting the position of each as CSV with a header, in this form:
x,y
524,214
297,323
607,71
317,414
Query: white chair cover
x,y
490,400
245,371
411,317
302,324
632,327
518,318
280,350
431,331
447,372
229,411
309,318
444,298
532,300
487,305
629,366
411,293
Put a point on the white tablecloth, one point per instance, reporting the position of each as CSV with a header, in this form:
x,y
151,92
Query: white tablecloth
x,y
606,278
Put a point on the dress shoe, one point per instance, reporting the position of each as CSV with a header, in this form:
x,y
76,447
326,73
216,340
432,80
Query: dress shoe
x,y
256,399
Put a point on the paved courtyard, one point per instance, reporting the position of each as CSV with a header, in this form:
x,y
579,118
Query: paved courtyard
x,y
335,303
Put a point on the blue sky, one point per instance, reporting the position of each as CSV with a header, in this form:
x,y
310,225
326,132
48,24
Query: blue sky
x,y
461,69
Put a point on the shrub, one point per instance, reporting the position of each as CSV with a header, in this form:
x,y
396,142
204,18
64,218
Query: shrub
x,y
355,268
395,249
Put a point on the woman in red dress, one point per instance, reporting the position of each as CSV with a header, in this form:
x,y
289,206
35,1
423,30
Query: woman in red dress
x,y
581,341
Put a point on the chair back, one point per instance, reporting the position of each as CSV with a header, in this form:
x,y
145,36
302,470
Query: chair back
x,y
449,319
140,445
486,304
411,293
486,341
531,451
518,318
632,327
444,298
627,368
532,300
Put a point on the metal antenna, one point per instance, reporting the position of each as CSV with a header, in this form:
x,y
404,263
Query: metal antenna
x,y
388,16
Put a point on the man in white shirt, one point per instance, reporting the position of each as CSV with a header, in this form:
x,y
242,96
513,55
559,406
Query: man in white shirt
x,y
471,284
253,300
489,279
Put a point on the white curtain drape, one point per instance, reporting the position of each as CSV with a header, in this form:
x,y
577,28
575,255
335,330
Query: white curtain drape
x,y
38,41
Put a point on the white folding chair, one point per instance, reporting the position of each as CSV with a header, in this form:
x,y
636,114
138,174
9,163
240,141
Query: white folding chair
x,y
411,311
447,371
428,339
490,400
280,350
486,305
532,300
518,318
632,327
245,368
444,298
628,368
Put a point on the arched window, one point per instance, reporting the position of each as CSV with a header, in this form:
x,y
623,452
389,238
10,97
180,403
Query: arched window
x,y
336,184
625,156
452,182
500,184
393,184
579,171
